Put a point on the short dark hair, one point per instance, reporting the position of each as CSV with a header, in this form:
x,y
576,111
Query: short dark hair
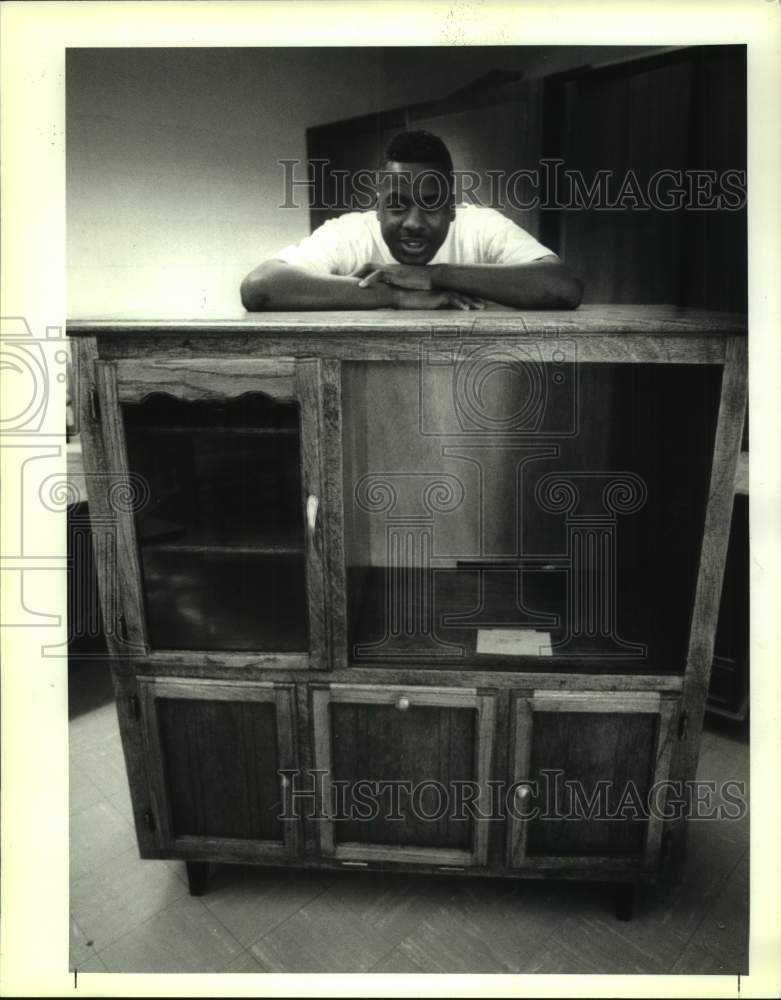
x,y
420,147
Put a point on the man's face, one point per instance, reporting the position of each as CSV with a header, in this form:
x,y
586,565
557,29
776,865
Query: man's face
x,y
415,209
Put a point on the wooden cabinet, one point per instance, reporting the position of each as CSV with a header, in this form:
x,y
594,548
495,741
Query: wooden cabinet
x,y
469,631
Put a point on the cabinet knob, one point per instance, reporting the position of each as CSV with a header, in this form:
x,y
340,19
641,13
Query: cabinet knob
x,y
522,794
312,503
403,703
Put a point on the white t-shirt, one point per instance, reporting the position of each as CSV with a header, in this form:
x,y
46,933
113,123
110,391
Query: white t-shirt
x,y
477,235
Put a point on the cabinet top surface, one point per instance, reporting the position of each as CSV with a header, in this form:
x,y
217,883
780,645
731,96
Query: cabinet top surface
x,y
586,321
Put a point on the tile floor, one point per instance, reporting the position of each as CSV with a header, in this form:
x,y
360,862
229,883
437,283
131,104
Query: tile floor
x,y
129,915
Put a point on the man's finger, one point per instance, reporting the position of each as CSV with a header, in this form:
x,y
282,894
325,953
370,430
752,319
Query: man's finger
x,y
458,301
370,279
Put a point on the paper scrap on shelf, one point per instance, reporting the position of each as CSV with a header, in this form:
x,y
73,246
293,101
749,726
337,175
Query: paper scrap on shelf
x,y
513,642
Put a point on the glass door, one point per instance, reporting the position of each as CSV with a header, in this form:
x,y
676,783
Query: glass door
x,y
223,524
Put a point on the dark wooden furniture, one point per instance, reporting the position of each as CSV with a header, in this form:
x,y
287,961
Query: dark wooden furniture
x,y
312,599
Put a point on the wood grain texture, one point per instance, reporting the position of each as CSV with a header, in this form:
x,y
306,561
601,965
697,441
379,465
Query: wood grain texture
x,y
483,761
587,321
431,856
136,761
201,690
566,701
261,667
214,752
321,757
605,869
713,557
692,348
153,752
171,659
98,472
361,735
213,379
288,759
309,393
372,694
528,757
521,759
375,745
578,752
668,712
228,850
333,513
124,496
305,761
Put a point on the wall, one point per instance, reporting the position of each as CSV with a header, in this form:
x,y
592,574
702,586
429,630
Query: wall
x,y
173,181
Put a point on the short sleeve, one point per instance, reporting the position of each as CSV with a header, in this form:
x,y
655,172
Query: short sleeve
x,y
504,242
333,248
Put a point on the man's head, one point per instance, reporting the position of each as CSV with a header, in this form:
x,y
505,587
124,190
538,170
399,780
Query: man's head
x,y
415,196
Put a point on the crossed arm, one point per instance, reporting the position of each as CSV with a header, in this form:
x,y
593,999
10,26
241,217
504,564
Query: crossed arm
x,y
542,284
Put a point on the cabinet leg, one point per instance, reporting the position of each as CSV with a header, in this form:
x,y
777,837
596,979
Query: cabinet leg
x,y
626,894
197,876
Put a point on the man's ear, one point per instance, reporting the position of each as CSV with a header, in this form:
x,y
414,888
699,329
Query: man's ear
x,y
452,215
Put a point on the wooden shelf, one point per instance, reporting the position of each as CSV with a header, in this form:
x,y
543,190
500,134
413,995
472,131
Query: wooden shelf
x,y
448,635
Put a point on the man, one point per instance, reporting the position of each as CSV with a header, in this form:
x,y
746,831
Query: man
x,y
418,251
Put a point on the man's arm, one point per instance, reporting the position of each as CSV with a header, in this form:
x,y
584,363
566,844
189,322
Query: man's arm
x,y
541,284
275,285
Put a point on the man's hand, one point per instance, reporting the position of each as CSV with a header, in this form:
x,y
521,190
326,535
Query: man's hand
x,y
430,299
413,287
411,276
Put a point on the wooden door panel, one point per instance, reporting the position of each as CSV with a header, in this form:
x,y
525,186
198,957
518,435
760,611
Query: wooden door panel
x,y
588,748
201,741
214,752
394,760
586,765
378,743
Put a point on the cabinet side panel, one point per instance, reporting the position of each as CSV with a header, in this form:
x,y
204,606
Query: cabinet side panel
x,y
713,557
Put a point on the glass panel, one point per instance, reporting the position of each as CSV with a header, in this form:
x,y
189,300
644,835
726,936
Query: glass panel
x,y
500,511
221,538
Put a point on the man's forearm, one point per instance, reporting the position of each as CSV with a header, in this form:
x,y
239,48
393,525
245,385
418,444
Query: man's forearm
x,y
276,285
539,285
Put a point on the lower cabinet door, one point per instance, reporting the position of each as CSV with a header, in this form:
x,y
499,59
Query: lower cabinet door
x,y
403,773
214,750
589,780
